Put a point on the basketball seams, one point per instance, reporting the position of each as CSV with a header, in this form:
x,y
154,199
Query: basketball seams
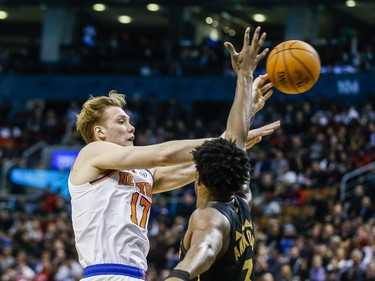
x,y
289,77
284,47
289,49
301,62
304,65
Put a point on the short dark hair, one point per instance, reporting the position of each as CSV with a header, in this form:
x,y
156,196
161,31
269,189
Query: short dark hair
x,y
222,166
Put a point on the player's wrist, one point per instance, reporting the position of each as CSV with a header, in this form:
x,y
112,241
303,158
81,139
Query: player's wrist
x,y
181,274
245,78
245,73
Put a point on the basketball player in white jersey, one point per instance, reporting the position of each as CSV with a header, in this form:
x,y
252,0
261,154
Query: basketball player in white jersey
x,y
112,181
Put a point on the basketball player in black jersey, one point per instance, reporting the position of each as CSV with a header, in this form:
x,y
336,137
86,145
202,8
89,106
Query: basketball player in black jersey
x,y
219,242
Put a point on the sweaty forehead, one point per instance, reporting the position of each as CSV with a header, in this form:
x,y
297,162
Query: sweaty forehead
x,y
114,112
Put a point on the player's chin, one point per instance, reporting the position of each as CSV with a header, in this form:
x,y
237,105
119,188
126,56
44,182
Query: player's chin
x,y
129,143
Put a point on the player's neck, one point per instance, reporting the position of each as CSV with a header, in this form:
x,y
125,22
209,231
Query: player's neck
x,y
205,198
221,199
208,201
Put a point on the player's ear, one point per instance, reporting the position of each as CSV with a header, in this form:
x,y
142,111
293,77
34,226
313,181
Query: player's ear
x,y
99,132
197,178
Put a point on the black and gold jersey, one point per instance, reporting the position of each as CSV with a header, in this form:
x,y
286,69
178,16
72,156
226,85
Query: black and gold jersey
x,y
237,263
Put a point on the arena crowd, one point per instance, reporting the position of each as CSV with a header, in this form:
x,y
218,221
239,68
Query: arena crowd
x,y
304,231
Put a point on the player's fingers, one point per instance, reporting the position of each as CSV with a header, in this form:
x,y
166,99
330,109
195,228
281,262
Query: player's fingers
x,y
262,54
264,130
268,95
263,77
256,140
266,87
230,48
253,142
267,132
258,85
262,39
254,41
273,125
257,81
246,38
260,134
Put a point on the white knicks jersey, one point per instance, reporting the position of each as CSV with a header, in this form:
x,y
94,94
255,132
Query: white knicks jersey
x,y
110,217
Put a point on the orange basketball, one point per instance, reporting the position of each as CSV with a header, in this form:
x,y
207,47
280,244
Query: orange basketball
x,y
293,66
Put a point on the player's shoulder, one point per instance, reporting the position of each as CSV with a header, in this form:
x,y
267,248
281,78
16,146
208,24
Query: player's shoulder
x,y
86,156
96,148
93,146
208,218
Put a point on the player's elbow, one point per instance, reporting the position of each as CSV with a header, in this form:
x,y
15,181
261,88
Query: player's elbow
x,y
161,158
203,253
168,154
209,256
165,156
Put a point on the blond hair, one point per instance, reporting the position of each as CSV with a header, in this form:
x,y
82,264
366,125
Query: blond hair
x,y
92,113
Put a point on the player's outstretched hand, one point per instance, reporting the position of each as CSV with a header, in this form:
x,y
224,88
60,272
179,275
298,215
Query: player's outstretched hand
x,y
261,93
247,60
255,135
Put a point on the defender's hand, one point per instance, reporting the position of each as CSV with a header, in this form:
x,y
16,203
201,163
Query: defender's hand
x,y
254,136
261,93
248,58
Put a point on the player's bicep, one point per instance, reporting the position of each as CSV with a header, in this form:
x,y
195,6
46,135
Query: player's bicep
x,y
106,156
208,229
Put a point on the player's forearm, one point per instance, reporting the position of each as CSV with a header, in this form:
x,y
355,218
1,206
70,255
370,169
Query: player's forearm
x,y
176,152
238,120
197,260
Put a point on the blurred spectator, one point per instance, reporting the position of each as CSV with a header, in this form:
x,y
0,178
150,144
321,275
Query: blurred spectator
x,y
48,200
356,201
317,271
262,164
353,270
69,270
266,277
366,210
370,272
187,206
286,273
6,220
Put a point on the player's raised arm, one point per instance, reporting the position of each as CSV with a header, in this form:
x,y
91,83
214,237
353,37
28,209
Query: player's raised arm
x,y
244,63
208,230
